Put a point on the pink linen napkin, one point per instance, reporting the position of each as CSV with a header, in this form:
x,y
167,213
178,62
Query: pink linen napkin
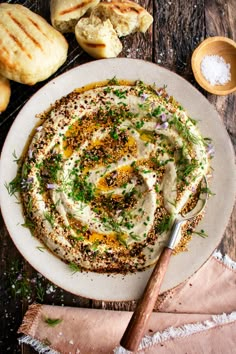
x,y
198,316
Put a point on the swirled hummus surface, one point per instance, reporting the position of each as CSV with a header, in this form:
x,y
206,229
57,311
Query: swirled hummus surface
x,y
107,171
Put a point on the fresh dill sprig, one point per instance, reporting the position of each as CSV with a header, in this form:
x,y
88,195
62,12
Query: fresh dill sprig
x,y
120,238
14,186
29,224
134,236
74,267
113,81
206,190
200,233
16,159
49,217
111,224
188,169
192,120
184,130
206,141
41,248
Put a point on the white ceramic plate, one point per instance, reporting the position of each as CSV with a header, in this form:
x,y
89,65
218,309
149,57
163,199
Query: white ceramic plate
x,y
119,287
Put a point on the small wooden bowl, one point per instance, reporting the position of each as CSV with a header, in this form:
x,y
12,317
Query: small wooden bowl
x,y
224,47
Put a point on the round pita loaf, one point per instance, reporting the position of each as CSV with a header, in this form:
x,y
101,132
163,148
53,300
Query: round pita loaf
x,y
65,14
5,93
31,50
126,16
98,38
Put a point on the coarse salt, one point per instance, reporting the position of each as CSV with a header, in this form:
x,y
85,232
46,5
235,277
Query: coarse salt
x,y
215,70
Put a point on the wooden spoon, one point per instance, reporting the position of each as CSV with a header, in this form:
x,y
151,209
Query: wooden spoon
x,y
139,320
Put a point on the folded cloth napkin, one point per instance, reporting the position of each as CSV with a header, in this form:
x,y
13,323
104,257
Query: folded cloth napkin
x,y
198,316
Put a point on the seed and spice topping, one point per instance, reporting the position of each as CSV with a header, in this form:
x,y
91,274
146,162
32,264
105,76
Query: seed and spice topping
x,y
106,173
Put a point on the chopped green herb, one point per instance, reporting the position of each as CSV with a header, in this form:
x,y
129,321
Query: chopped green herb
x,y
28,224
95,245
52,322
207,190
206,141
41,248
193,121
107,89
81,189
134,236
14,186
200,233
139,125
16,159
74,267
183,129
78,238
157,111
144,106
120,94
164,225
114,133
113,81
49,217
122,240
190,167
52,165
129,225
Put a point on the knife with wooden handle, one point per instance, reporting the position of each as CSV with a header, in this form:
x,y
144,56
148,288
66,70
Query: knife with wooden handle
x,y
139,320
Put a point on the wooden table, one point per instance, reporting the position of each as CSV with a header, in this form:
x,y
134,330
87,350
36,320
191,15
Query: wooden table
x,y
179,26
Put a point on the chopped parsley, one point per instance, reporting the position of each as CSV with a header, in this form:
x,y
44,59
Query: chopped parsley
x,y
139,124
114,133
81,189
120,94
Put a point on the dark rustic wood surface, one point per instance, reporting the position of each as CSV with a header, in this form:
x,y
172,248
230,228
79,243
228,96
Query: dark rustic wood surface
x,y
179,26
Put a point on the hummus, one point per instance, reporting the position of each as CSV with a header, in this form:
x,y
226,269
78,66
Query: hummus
x,y
106,173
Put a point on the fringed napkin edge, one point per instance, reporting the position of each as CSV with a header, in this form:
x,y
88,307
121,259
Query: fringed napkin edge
x,y
183,331
147,341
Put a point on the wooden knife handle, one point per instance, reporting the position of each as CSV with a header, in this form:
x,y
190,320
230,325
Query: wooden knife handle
x,y
139,320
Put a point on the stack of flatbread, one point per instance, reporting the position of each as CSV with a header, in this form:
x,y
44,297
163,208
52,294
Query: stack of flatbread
x,y
31,50
99,24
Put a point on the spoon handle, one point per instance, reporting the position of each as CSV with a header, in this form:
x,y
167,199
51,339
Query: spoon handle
x,y
138,322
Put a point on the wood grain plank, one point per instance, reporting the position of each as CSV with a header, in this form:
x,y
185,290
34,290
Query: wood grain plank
x,y
178,28
10,309
139,45
220,18
221,21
